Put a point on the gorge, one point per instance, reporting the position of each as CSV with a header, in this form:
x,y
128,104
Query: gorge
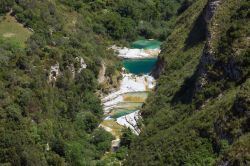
x,y
122,106
85,83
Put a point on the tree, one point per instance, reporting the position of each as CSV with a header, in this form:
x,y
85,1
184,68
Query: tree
x,y
102,139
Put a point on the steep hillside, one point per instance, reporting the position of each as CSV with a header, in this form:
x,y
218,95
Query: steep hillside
x,y
53,51
13,32
48,102
198,114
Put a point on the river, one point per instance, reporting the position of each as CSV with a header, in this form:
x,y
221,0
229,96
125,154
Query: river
x,y
122,106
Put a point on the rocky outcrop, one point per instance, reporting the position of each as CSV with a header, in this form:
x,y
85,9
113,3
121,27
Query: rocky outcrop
x,y
207,57
211,9
135,53
82,63
221,58
131,121
54,72
224,163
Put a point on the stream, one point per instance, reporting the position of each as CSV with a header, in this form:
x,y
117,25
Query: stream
x,y
122,106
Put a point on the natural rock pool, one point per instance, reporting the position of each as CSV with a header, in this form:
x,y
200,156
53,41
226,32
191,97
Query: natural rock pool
x,y
139,66
122,106
146,44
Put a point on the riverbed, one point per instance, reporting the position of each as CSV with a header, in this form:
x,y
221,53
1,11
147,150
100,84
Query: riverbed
x,y
122,106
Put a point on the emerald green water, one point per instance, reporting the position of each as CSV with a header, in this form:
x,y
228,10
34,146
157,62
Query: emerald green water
x,y
142,66
139,66
119,114
146,44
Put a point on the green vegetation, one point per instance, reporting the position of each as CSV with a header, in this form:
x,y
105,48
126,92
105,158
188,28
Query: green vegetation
x,y
231,52
13,32
129,19
50,121
198,114
117,129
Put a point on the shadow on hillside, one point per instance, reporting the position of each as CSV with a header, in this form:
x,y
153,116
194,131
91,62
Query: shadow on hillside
x,y
186,92
197,33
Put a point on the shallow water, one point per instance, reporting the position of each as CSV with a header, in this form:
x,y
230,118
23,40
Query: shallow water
x,y
120,112
146,44
123,113
139,66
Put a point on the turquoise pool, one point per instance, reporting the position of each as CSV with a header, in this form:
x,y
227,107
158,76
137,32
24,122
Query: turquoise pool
x,y
146,44
139,66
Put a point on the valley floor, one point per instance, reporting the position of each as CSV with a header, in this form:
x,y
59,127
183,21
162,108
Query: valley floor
x,y
122,106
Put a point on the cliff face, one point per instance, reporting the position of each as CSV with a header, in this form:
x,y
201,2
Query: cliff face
x,y
227,42
207,57
211,9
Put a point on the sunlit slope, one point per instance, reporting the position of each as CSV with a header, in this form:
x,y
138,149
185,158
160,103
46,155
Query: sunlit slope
x,y
13,32
199,114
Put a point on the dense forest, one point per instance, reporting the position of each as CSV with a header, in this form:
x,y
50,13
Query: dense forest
x,y
50,121
49,104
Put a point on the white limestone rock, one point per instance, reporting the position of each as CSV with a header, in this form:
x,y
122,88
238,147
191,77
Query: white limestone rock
x,y
54,72
135,53
83,65
130,121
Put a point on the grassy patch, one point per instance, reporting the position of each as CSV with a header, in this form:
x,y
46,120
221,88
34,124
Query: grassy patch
x,y
13,32
116,128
